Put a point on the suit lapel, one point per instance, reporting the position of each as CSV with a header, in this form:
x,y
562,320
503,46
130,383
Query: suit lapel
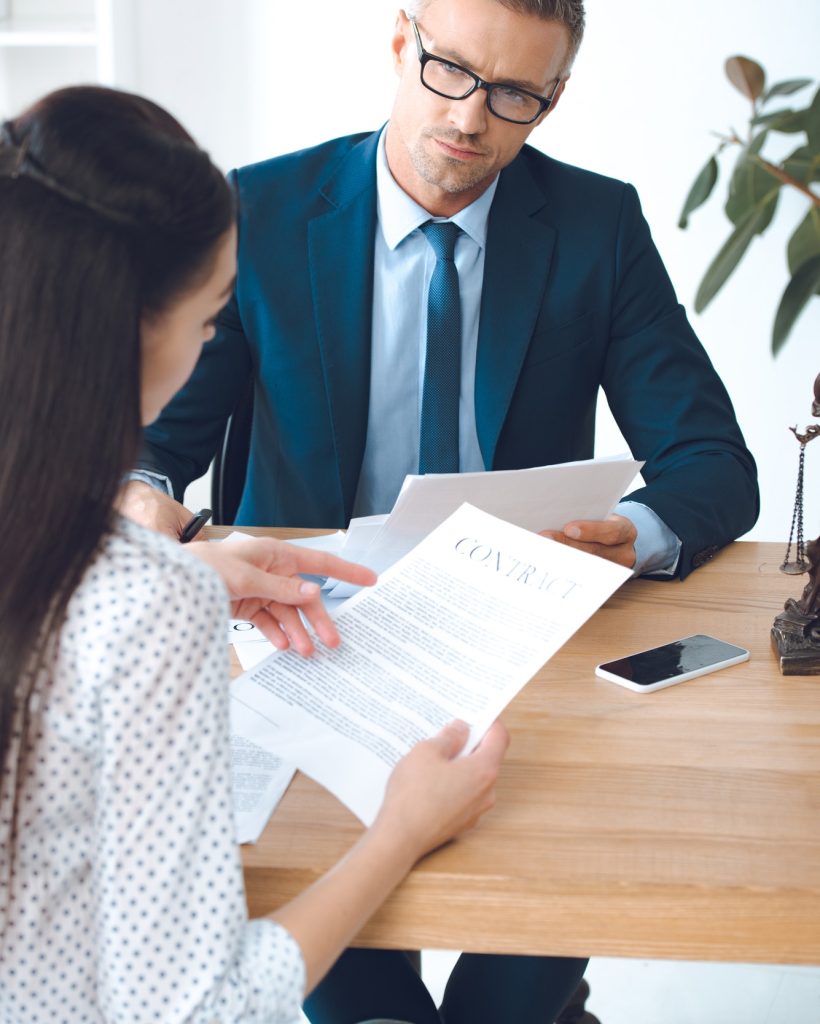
x,y
340,245
516,268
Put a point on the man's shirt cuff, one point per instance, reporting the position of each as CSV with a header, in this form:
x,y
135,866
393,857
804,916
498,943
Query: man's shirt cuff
x,y
157,480
657,548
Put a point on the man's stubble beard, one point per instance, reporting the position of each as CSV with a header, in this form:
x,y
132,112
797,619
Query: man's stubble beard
x,y
434,170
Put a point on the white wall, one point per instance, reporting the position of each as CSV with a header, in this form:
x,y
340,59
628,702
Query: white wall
x,y
252,78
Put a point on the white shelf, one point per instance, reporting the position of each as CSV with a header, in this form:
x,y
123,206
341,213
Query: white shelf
x,y
35,32
49,44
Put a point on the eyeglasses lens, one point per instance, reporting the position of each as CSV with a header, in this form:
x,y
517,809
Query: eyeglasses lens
x,y
508,103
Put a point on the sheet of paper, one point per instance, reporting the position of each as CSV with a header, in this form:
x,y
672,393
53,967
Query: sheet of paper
x,y
258,780
544,498
359,537
453,630
251,644
332,543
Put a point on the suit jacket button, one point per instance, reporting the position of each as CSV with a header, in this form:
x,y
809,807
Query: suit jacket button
x,y
703,556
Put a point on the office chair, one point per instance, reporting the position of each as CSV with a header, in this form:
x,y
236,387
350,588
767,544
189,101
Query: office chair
x,y
231,462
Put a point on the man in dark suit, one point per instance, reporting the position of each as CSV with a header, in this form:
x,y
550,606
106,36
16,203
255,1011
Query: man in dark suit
x,y
347,295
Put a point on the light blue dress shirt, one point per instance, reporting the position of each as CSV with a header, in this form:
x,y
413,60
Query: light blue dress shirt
x,y
403,266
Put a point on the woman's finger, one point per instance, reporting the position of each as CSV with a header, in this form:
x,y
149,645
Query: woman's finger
x,y
324,627
248,581
270,626
289,559
291,623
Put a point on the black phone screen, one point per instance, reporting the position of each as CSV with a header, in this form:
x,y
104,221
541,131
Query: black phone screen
x,y
675,659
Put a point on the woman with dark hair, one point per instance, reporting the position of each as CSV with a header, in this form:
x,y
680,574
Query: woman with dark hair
x,y
121,892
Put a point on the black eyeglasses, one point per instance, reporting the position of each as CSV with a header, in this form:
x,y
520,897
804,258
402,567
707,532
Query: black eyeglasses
x,y
443,77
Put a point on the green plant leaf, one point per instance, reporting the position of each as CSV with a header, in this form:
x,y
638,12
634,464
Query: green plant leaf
x,y
804,244
751,185
786,88
799,291
757,142
803,164
746,75
732,251
773,115
700,190
782,120
813,122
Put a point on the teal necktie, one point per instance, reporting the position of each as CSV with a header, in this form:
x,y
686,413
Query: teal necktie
x,y
438,439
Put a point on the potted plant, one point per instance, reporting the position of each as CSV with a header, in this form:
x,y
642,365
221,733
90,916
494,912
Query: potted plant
x,y
755,186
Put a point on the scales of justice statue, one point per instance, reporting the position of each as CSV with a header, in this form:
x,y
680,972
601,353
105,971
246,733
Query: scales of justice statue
x,y
796,630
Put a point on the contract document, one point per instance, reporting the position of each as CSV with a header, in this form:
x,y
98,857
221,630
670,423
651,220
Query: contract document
x,y
541,498
453,630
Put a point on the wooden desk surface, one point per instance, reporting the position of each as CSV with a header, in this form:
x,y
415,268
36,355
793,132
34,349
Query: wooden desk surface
x,y
681,824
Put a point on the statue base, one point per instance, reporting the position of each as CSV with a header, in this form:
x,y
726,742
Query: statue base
x,y
796,639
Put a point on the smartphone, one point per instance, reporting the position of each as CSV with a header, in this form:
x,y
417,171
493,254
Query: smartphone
x,y
672,663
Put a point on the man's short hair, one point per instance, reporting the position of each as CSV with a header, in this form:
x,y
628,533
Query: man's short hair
x,y
569,13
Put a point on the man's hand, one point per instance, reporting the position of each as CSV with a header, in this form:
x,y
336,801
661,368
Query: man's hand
x,y
612,538
152,508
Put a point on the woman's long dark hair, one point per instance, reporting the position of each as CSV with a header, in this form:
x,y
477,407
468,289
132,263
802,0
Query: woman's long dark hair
x,y
108,211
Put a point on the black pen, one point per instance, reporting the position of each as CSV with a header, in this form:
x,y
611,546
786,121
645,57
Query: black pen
x,y
194,525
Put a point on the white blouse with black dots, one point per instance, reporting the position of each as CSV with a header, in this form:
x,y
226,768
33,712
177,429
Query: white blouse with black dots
x,y
127,902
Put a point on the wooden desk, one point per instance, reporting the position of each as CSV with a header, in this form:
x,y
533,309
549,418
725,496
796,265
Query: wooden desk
x,y
681,824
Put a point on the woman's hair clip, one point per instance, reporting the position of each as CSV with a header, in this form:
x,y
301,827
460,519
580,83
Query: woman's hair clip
x,y
17,162
12,156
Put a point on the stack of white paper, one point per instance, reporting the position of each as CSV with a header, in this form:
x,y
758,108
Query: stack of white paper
x,y
453,630
543,498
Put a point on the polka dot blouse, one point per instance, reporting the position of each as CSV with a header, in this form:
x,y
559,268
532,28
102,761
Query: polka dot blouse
x,y
127,902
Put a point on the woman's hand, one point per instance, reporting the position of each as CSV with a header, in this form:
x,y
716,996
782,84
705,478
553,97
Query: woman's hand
x,y
433,795
261,576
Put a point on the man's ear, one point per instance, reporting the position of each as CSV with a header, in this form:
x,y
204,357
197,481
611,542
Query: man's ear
x,y
399,42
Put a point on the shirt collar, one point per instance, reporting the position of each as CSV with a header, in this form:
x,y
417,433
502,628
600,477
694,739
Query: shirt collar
x,y
400,216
